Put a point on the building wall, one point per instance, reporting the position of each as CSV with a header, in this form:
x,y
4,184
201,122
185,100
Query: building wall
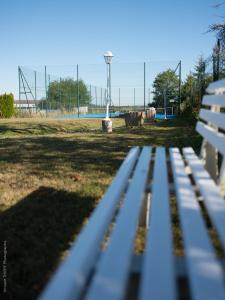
x,y
26,107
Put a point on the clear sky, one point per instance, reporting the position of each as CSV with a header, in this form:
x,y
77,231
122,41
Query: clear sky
x,y
67,32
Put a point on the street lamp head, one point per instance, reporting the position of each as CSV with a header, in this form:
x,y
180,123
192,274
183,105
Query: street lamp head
x,y
108,57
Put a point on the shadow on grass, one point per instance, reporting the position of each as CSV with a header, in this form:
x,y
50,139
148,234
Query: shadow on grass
x,y
37,231
40,129
35,128
47,154
92,151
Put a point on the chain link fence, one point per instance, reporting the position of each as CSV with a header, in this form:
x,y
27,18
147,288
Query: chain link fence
x,y
80,90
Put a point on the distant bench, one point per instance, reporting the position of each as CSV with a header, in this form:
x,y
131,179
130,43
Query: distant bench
x,y
102,264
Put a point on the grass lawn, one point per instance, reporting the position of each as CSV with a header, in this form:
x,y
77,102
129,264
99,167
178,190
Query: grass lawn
x,y
52,175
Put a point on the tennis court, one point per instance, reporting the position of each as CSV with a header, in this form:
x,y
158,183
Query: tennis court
x,y
158,116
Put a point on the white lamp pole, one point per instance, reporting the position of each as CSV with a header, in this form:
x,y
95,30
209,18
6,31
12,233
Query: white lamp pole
x,y
108,60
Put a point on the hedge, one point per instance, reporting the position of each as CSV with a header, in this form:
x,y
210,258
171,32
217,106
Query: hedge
x,y
6,106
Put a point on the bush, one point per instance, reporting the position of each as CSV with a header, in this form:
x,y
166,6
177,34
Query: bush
x,y
188,112
6,106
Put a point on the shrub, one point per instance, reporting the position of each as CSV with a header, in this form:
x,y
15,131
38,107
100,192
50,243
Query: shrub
x,y
6,105
188,112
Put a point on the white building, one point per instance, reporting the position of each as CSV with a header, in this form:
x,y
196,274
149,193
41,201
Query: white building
x,y
25,105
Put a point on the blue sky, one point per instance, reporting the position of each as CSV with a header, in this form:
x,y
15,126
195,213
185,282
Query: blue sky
x,y
53,32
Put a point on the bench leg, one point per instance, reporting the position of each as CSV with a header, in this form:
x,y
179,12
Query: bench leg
x,y
222,177
210,155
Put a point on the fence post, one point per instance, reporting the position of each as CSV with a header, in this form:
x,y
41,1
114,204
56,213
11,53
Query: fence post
x,y
46,93
119,97
165,104
19,87
90,96
101,97
49,98
96,98
144,84
179,88
35,89
60,92
35,85
78,100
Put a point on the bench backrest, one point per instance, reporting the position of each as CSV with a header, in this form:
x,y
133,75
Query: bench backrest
x,y
212,129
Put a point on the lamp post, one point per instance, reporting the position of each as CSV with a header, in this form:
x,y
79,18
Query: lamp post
x,y
107,123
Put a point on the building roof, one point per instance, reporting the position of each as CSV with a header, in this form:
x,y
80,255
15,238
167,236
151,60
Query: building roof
x,y
24,102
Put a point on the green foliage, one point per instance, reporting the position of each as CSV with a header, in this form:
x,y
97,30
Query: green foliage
x,y
165,84
63,94
188,89
201,77
193,89
6,105
188,111
219,30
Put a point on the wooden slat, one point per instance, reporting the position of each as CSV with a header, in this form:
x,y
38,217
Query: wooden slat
x,y
215,118
71,277
158,266
217,87
205,273
113,270
213,199
218,100
216,139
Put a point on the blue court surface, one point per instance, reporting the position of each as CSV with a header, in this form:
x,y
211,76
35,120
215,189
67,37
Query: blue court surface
x,y
112,115
162,117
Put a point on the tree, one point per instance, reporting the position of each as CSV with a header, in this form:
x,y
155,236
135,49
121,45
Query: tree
x,y
219,49
165,84
193,89
63,94
194,86
219,29
188,89
202,80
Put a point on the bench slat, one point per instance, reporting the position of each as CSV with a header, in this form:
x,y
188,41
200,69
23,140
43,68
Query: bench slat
x,y
217,139
205,272
158,265
216,118
210,192
112,275
216,87
214,100
70,279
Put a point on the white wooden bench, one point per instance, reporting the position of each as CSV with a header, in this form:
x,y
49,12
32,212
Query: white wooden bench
x,y
102,264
